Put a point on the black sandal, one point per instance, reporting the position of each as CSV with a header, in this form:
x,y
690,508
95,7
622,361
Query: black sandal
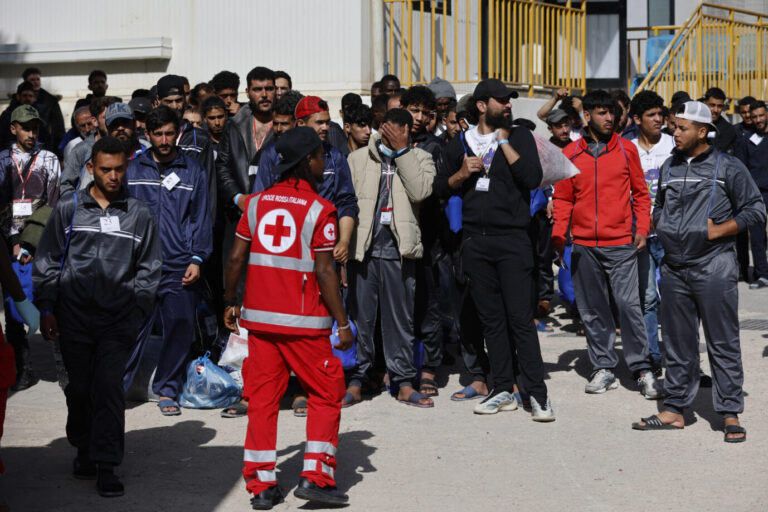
x,y
240,409
428,388
735,429
654,423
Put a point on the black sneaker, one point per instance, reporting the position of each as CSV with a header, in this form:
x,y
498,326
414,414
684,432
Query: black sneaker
x,y
312,492
760,283
83,468
267,498
108,485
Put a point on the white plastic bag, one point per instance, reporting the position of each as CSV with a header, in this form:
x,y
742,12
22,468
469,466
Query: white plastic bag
x,y
554,163
236,350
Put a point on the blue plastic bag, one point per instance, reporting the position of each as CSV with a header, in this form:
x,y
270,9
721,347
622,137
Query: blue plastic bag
x,y
453,210
564,281
208,386
24,273
348,357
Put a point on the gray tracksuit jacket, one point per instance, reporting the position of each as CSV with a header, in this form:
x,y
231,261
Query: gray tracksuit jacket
x,y
713,185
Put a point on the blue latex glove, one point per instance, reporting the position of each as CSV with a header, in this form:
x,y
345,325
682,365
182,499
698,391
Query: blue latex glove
x,y
30,314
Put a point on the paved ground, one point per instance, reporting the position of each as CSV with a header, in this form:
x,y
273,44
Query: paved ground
x,y
393,457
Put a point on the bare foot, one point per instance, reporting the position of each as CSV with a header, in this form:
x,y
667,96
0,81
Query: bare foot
x,y
733,421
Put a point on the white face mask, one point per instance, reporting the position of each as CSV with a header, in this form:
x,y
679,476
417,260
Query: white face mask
x,y
389,153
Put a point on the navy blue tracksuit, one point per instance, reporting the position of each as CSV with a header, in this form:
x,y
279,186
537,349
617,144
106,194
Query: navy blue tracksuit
x,y
184,222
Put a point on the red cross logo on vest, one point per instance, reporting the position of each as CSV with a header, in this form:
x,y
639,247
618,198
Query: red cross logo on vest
x,y
277,231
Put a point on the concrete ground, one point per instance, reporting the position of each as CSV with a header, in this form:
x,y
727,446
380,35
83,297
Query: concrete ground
x,y
393,457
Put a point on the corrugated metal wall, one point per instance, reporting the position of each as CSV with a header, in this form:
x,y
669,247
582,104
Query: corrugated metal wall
x,y
324,45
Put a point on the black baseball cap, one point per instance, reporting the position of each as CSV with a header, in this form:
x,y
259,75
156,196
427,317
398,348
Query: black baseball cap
x,y
294,145
170,85
493,88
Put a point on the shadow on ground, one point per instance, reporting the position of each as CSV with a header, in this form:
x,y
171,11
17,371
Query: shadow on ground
x,y
165,469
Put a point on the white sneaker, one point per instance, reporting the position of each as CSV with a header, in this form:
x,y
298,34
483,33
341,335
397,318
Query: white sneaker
x,y
601,381
649,386
503,401
540,413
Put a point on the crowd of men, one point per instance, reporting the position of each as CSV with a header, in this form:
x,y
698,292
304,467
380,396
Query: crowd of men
x,y
429,214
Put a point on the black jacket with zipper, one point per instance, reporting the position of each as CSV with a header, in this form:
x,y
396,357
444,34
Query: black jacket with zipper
x,y
107,280
506,205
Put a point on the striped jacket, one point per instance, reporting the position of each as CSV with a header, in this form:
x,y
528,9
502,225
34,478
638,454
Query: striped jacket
x,y
94,274
182,210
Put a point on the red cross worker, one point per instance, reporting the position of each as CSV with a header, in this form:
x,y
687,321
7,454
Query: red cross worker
x,y
287,234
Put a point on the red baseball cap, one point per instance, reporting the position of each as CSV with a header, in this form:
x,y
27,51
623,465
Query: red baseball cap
x,y
309,105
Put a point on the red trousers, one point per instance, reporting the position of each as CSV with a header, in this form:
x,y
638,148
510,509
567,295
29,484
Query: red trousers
x,y
271,358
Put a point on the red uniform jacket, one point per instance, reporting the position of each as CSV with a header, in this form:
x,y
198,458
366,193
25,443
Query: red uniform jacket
x,y
596,202
286,224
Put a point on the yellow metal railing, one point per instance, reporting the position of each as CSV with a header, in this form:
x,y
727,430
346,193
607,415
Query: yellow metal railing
x,y
526,43
718,46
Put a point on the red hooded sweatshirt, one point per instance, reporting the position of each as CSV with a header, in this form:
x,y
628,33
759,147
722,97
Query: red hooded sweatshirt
x,y
597,202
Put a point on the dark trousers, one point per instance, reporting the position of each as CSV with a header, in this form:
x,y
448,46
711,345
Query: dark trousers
x,y
708,291
543,253
429,313
389,286
468,325
175,310
599,275
500,272
95,397
757,239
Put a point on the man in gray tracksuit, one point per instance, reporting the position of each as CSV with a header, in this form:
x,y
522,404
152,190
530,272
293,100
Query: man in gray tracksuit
x,y
699,189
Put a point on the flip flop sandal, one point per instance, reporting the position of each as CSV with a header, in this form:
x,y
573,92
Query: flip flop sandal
x,y
654,423
301,403
542,327
240,409
469,393
169,403
414,401
735,429
349,401
428,387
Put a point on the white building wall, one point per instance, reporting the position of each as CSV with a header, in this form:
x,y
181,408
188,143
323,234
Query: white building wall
x,y
324,45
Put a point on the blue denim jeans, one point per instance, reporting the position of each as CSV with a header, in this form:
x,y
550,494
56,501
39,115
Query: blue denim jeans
x,y
647,263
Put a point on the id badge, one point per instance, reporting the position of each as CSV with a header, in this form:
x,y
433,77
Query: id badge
x,y
22,208
755,139
386,217
171,181
483,184
253,170
109,224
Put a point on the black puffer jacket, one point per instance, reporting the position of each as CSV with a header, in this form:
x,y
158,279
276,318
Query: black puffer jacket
x,y
691,193
108,279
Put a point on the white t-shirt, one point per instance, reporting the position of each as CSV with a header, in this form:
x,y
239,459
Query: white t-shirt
x,y
481,144
652,161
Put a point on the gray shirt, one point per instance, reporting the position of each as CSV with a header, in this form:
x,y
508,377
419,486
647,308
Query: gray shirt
x,y
384,245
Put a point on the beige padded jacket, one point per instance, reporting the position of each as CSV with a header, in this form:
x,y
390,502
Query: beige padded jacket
x,y
411,184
